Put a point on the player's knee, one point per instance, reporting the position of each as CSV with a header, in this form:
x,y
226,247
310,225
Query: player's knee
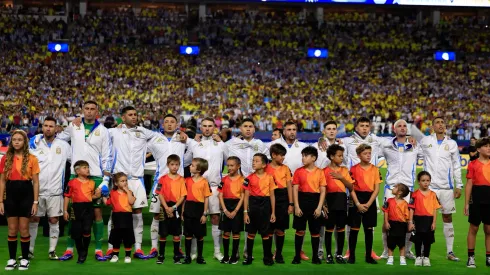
x,y
215,219
300,233
279,233
473,229
137,211
486,229
447,218
35,219
53,220
156,217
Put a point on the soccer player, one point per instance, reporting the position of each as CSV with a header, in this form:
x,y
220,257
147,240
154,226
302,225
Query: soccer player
x,y
283,196
196,209
401,158
231,197
129,146
172,142
309,194
81,192
338,181
423,206
276,134
477,199
172,192
52,154
245,146
329,138
214,151
121,200
90,142
293,158
366,178
19,191
259,205
442,161
396,221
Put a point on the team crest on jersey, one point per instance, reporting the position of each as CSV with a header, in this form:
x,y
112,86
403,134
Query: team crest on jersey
x,y
58,150
159,140
256,148
124,132
97,133
370,139
138,134
446,148
78,128
242,146
430,146
200,144
296,145
41,152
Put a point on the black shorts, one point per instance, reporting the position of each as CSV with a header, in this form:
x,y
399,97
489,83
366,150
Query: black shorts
x,y
479,213
122,235
394,241
234,225
84,217
282,204
336,219
192,219
398,229
122,220
308,202
170,226
368,219
19,197
260,215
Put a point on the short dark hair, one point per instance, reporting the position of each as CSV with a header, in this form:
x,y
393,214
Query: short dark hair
x,y
310,151
363,119
90,102
170,115
262,157
278,149
208,119
403,188
202,165
482,142
50,118
79,164
440,117
330,122
127,109
173,158
333,149
289,122
247,120
423,173
277,130
472,138
363,147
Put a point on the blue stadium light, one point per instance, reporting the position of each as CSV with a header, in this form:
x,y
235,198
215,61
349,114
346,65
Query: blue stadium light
x,y
189,50
445,56
318,53
58,47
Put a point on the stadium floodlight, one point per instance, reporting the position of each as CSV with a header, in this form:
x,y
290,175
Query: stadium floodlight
x,y
318,53
445,56
189,50
58,47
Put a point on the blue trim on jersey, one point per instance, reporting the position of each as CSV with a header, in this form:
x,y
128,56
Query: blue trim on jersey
x,y
96,123
100,165
449,179
108,164
413,174
32,142
155,178
114,161
439,142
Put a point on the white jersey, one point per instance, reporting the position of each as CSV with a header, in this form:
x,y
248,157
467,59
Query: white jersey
x,y
245,151
401,161
129,146
95,149
52,162
322,161
442,162
351,143
214,152
161,147
294,159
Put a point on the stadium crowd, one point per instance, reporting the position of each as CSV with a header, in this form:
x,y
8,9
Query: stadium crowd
x,y
253,64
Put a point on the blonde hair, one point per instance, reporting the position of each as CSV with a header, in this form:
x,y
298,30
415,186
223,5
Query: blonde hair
x,y
10,154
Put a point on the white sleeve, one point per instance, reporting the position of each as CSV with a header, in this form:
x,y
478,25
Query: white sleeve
x,y
66,134
188,154
265,151
149,133
107,150
416,133
456,164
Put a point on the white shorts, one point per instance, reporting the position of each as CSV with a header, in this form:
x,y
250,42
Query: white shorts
x,y
50,205
213,205
446,199
388,194
155,204
137,186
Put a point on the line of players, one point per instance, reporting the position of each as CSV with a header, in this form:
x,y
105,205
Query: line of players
x,y
123,149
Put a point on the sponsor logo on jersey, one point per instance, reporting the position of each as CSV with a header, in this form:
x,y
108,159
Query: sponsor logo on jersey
x,y
97,133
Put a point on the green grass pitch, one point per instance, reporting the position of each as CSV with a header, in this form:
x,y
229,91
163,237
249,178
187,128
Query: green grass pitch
x,y
42,265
